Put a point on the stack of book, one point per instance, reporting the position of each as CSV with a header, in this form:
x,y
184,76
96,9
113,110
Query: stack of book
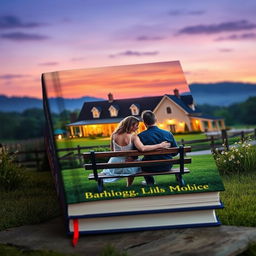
x,y
119,208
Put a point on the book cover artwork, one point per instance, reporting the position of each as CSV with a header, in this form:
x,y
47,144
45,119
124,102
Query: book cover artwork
x,y
85,107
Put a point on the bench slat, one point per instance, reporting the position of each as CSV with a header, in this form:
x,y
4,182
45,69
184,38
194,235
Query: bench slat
x,y
172,171
135,163
86,155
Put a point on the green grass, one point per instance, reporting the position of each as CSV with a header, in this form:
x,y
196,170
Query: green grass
x,y
239,201
186,137
32,203
82,142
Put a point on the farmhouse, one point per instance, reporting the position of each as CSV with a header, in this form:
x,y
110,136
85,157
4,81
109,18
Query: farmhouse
x,y
174,112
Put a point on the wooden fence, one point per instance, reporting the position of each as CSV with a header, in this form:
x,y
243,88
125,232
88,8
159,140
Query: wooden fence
x,y
72,156
29,153
220,141
213,142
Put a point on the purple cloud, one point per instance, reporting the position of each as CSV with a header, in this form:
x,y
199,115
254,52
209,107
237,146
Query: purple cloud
x,y
246,36
19,36
51,63
11,76
185,12
149,38
218,28
134,53
9,22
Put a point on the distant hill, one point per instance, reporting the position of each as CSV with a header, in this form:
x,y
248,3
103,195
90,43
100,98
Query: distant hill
x,y
222,94
19,104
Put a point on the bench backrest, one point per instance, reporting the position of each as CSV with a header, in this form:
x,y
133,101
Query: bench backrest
x,y
93,156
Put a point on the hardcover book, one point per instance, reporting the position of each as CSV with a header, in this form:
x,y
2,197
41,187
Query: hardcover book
x,y
84,107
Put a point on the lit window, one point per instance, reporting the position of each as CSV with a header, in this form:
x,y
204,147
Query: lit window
x,y
95,112
113,111
134,110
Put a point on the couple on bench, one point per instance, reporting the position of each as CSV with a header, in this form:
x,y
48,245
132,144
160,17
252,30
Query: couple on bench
x,y
124,138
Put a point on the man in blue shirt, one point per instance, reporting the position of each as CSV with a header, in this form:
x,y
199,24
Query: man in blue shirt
x,y
154,135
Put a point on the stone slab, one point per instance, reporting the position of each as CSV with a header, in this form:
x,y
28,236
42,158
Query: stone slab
x,y
210,241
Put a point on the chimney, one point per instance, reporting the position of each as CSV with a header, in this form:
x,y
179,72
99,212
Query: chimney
x,y
110,97
176,93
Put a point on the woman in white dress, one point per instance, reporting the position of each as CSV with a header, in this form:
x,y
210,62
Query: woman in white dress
x,y
124,138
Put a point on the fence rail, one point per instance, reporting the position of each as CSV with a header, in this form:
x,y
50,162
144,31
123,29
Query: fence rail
x,y
36,158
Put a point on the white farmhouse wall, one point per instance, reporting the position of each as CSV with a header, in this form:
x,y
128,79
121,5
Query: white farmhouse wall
x,y
177,117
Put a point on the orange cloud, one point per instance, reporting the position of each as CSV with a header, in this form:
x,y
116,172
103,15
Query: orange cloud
x,y
123,81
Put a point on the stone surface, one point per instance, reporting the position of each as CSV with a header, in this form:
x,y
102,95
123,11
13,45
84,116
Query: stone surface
x,y
218,241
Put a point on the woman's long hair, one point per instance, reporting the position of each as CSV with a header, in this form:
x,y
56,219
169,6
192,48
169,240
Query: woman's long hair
x,y
126,125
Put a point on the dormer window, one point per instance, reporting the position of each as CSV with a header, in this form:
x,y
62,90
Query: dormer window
x,y
113,110
134,110
95,112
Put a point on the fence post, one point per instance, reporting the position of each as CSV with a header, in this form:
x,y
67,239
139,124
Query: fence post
x,y
242,136
212,143
225,138
79,154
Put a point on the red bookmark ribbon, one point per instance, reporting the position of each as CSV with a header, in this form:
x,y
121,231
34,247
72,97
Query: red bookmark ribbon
x,y
76,232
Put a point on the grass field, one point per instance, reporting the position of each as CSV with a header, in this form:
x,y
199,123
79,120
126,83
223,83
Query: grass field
x,y
36,200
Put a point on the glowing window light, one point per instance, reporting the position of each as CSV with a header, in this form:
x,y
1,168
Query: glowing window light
x,y
171,121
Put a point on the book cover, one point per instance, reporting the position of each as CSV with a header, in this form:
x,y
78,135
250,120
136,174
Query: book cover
x,y
85,106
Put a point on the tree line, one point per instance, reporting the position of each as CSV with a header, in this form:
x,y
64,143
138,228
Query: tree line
x,y
31,122
238,113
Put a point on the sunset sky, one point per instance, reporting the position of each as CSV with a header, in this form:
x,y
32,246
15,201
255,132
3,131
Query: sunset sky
x,y
214,40
125,81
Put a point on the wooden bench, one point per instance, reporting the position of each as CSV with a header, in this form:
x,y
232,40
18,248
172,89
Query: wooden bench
x,y
95,164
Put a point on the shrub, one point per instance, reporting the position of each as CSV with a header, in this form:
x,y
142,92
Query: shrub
x,y
11,173
240,159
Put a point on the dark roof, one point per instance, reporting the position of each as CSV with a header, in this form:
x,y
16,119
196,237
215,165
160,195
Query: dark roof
x,y
123,106
145,103
184,101
206,117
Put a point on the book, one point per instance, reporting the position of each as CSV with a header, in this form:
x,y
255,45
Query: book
x,y
109,95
